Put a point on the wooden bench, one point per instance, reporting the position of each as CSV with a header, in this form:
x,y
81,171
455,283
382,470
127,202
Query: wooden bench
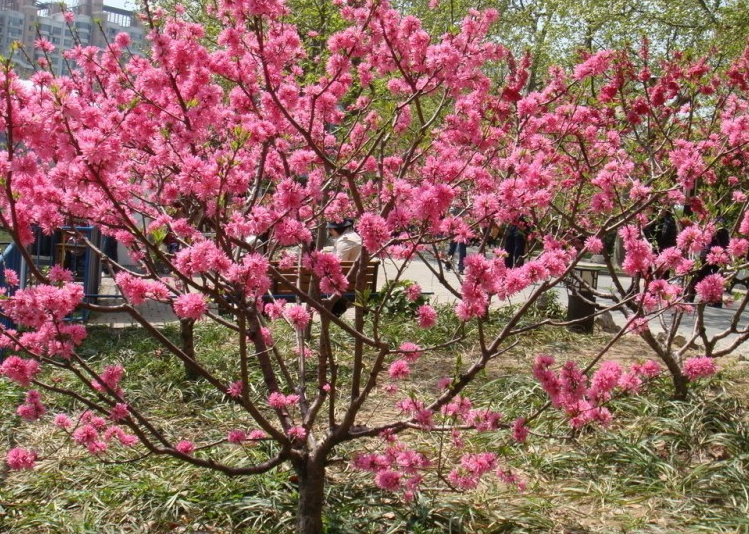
x,y
291,275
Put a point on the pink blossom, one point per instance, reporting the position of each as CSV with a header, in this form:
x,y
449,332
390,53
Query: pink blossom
x,y
297,433
58,274
62,421
274,310
298,316
19,370
44,45
605,380
374,232
85,434
235,389
413,292
478,464
426,316
444,383
508,477
699,367
119,412
710,289
236,436
594,245
630,382
257,435
411,352
461,480
388,480
648,369
279,401
185,447
594,65
399,370
458,406
18,459
11,277
33,408
547,378
190,306
110,378
520,430
483,420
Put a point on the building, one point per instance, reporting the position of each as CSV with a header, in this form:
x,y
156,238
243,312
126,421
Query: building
x,y
23,21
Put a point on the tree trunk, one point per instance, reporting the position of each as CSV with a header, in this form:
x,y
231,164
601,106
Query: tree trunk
x,y
680,386
187,338
311,475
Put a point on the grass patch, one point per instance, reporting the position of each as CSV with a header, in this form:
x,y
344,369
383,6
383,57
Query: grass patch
x,y
661,467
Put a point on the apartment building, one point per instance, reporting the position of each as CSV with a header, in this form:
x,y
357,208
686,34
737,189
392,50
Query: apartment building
x,y
23,21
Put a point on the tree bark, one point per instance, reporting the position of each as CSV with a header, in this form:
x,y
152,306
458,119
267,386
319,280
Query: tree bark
x,y
187,339
311,473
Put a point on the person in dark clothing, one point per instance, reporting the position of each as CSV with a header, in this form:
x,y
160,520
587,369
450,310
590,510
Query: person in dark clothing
x,y
462,250
661,232
515,239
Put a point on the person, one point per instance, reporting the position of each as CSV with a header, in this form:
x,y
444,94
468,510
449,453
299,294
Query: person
x,y
347,247
515,238
346,242
661,232
462,250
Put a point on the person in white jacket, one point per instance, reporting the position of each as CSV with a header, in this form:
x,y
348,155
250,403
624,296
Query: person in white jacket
x,y
346,242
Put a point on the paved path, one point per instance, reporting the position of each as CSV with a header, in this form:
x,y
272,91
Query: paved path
x,y
160,313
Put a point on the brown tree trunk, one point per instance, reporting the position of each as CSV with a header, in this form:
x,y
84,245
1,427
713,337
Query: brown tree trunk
x,y
311,473
187,339
680,386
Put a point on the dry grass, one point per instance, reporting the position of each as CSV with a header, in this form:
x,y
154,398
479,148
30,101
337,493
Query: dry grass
x,y
662,467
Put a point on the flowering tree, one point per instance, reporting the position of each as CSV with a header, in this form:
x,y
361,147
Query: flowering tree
x,y
239,155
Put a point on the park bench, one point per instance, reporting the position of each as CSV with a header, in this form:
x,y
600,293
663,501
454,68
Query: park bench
x,y
280,284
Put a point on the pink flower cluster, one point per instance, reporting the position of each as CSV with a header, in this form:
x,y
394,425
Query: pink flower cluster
x,y
190,306
426,316
710,289
374,232
279,401
699,367
485,278
239,437
568,389
327,267
19,459
32,409
138,290
36,306
298,316
110,378
19,370
472,467
398,468
95,433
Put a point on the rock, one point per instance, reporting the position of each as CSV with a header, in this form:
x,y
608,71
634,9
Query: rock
x,y
743,358
678,342
606,323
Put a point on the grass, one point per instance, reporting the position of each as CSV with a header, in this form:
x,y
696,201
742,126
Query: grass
x,y
661,467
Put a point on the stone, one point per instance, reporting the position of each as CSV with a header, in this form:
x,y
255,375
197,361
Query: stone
x,y
678,342
606,323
